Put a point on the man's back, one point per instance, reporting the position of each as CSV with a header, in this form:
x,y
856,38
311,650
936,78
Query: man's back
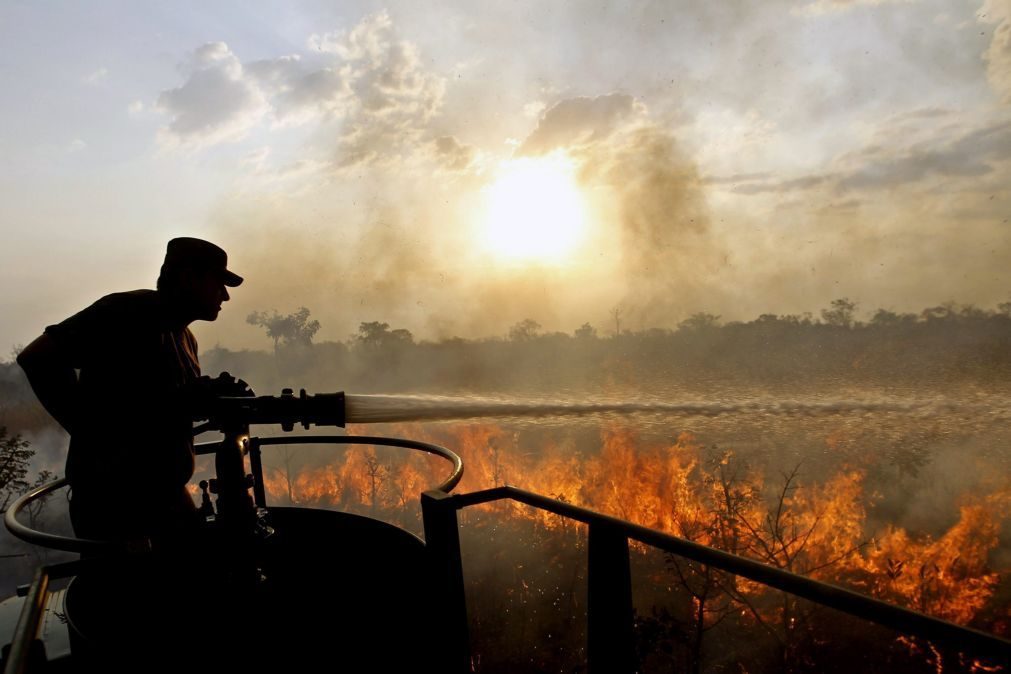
x,y
131,445
133,367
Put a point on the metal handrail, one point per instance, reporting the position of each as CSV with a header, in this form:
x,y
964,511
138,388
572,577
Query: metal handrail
x,y
906,621
20,654
54,541
446,485
84,545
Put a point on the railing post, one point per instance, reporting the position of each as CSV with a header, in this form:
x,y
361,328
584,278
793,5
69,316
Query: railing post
x,y
610,636
256,468
442,541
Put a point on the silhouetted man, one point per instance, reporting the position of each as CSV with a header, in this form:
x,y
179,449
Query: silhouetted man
x,y
121,377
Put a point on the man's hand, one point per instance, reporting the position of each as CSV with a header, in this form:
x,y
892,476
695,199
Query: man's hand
x,y
204,392
227,386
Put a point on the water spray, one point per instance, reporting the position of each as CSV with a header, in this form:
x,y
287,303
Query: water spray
x,y
339,409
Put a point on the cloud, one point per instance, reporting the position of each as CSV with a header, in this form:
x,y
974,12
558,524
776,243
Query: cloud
x,y
217,103
393,98
256,160
770,185
998,54
377,81
275,75
577,121
948,152
299,94
452,154
970,155
366,41
371,96
736,178
820,7
534,109
96,76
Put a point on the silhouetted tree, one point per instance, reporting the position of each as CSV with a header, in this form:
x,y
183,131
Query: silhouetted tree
x,y
841,313
294,329
15,458
884,318
525,330
401,336
377,335
699,322
797,319
616,314
585,331
944,312
377,473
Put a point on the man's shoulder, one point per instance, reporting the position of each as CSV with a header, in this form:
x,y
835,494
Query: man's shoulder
x,y
127,306
113,322
131,305
130,299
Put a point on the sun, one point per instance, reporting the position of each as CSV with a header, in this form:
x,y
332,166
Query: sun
x,y
534,211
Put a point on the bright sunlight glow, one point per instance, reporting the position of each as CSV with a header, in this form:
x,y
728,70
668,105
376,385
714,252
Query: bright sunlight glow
x,y
534,210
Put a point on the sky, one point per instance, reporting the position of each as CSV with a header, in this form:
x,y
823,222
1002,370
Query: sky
x,y
453,170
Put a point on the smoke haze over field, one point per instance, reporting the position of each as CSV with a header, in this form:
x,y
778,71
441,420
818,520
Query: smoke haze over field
x,y
736,159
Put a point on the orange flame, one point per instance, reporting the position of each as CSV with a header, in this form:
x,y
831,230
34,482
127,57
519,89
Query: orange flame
x,y
817,529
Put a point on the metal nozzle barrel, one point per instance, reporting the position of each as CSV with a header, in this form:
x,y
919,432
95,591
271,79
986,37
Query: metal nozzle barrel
x,y
320,409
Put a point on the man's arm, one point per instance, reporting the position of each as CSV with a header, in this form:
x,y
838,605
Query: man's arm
x,y
52,378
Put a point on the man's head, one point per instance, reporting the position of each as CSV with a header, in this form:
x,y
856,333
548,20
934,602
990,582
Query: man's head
x,y
195,275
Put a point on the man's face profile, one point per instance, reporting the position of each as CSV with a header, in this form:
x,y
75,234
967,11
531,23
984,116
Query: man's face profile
x,y
204,292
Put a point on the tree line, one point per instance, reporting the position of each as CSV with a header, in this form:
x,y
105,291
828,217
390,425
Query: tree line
x,y
936,345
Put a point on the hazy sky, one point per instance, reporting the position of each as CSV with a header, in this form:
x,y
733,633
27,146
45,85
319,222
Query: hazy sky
x,y
732,157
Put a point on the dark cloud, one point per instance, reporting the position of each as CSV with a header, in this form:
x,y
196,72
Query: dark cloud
x,y
771,185
667,253
578,120
845,205
969,154
736,178
924,113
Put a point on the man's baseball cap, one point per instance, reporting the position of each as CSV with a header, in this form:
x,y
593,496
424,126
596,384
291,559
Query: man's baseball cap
x,y
189,253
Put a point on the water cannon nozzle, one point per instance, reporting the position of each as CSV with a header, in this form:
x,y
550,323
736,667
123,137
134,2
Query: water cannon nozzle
x,y
320,409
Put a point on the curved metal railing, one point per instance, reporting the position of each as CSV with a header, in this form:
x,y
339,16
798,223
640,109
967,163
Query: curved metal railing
x,y
446,485
46,540
83,545
19,657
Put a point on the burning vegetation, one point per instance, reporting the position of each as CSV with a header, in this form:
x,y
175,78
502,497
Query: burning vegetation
x,y
526,567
